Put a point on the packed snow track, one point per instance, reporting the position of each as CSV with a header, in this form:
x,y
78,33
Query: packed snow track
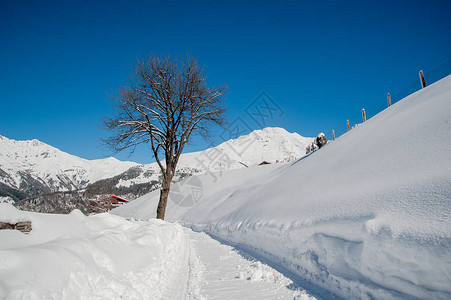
x,y
218,271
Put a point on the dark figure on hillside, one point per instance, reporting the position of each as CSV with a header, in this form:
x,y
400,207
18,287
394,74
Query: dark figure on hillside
x,y
321,140
317,143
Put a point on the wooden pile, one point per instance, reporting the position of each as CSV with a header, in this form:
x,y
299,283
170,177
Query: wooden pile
x,y
21,226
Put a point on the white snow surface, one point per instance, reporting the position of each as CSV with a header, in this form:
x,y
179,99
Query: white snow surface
x,y
56,169
224,272
367,216
96,257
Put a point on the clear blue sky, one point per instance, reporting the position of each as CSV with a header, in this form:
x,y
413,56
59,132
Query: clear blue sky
x,y
321,62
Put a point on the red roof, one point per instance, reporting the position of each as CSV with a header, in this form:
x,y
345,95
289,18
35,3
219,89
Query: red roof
x,y
120,199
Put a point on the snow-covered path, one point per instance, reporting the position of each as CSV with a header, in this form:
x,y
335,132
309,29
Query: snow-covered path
x,y
108,257
218,271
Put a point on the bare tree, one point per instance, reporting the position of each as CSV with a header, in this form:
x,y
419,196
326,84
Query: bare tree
x,y
166,101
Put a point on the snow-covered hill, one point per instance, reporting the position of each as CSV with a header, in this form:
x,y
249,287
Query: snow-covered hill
x,y
33,167
366,217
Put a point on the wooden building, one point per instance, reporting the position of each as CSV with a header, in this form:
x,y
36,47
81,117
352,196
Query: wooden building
x,y
106,204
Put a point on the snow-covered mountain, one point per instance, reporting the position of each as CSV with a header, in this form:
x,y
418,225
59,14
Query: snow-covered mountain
x,y
269,145
29,168
34,171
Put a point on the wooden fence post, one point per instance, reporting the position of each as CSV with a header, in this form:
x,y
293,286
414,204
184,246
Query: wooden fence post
x,y
423,82
363,115
333,134
389,99
347,124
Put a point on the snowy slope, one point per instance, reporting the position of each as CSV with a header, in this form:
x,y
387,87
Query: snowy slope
x,y
367,216
269,144
33,165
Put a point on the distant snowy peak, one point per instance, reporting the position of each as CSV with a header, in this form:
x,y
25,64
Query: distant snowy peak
x,y
33,167
266,145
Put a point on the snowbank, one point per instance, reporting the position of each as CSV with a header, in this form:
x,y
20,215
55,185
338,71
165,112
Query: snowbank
x,y
78,257
367,216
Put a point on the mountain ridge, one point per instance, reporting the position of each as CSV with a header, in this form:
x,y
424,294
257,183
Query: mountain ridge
x,y
40,177
269,145
34,167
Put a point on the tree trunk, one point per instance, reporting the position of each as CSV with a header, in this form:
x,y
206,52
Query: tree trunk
x,y
165,187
